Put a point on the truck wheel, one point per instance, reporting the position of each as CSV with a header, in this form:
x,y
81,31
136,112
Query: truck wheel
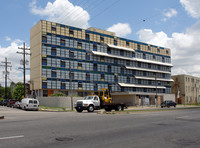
x,y
91,108
79,110
108,109
118,108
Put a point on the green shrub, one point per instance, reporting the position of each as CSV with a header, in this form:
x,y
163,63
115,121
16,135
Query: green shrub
x,y
59,94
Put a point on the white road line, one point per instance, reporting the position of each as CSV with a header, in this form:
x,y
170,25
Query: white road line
x,y
12,137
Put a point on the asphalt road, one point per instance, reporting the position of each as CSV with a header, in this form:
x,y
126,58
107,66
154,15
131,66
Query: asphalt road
x,y
169,129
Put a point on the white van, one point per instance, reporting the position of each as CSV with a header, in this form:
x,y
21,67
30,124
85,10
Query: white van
x,y
29,104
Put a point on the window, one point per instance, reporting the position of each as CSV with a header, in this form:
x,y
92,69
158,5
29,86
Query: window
x,y
149,47
71,54
102,77
80,85
149,65
62,63
121,52
71,31
72,75
102,59
44,61
53,28
87,76
44,39
87,36
139,64
116,78
95,67
115,61
115,42
101,39
138,46
158,50
128,63
62,85
53,73
53,51
79,45
95,87
154,57
163,59
44,84
127,43
109,50
167,52
122,69
87,56
62,42
95,98
79,65
133,54
109,68
95,47
144,56
128,79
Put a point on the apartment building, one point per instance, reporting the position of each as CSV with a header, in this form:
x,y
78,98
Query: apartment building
x,y
186,89
79,62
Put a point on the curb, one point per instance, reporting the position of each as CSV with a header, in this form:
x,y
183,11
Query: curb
x,y
1,117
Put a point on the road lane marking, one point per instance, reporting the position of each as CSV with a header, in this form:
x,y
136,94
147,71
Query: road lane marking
x,y
12,137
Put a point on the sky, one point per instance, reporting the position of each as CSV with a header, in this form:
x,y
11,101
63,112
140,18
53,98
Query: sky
x,y
173,24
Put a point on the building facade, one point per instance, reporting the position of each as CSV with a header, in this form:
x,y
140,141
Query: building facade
x,y
73,60
186,89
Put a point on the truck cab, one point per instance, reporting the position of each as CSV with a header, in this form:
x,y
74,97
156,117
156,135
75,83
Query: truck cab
x,y
89,103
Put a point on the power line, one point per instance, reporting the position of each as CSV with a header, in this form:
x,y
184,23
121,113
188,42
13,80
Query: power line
x,y
83,14
62,18
6,65
24,63
112,4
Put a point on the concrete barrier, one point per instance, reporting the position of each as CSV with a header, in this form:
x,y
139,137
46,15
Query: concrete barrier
x,y
58,101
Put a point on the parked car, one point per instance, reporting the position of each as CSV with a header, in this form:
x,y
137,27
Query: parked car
x,y
29,104
17,104
11,102
4,102
1,102
168,103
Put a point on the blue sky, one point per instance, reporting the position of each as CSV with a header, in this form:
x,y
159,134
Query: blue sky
x,y
170,23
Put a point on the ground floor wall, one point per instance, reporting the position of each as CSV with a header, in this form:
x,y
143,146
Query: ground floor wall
x,y
57,101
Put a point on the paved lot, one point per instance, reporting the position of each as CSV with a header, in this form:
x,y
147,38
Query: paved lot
x,y
168,129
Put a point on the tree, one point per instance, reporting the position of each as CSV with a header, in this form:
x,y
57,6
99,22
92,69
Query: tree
x,y
18,91
2,92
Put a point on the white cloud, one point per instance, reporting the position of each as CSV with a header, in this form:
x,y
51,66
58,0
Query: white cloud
x,y
62,11
184,47
11,55
169,13
121,29
7,38
192,7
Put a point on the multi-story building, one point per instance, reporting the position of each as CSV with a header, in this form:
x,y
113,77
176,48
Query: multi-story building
x,y
186,89
70,59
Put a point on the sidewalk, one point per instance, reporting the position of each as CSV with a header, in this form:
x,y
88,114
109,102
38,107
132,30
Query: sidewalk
x,y
158,107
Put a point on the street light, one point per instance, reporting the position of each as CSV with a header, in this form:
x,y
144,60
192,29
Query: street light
x,y
70,76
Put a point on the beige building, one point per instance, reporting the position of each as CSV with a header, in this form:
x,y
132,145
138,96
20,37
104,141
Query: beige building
x,y
186,89
76,61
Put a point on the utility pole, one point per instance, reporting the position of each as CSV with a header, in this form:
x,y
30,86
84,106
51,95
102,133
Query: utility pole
x,y
6,74
24,63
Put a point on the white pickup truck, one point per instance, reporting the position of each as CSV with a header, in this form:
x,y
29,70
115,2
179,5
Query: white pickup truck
x,y
93,102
